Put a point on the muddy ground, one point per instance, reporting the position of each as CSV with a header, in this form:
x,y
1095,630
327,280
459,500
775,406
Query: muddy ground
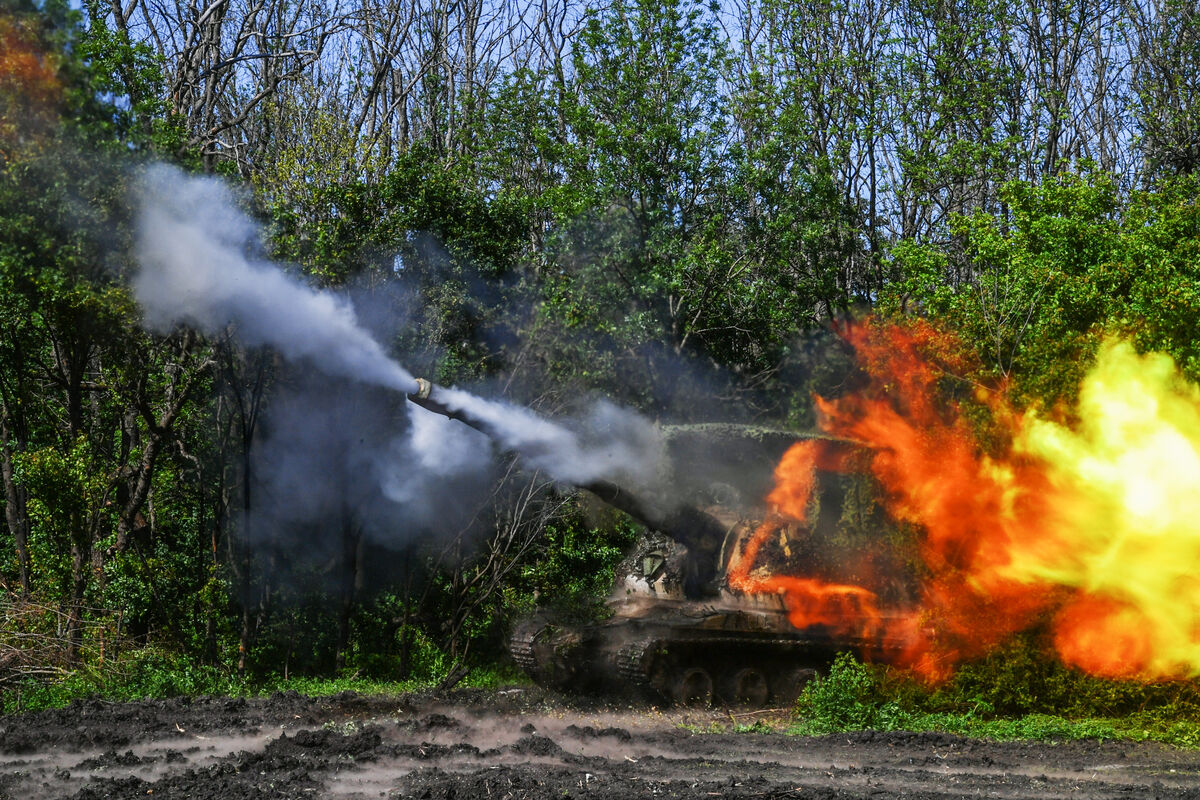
x,y
524,743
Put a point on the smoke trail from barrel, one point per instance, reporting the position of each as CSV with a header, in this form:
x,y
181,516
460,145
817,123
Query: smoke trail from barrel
x,y
606,442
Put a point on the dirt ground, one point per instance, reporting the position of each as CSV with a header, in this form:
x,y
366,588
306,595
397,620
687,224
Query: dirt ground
x,y
524,743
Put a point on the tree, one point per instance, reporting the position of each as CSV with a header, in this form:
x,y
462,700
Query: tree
x,y
1071,262
1166,79
90,403
642,155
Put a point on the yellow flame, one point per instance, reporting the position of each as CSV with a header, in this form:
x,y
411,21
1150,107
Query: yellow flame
x,y
1126,513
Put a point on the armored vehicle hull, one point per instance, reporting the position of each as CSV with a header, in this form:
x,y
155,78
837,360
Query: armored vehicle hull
x,y
683,653
662,645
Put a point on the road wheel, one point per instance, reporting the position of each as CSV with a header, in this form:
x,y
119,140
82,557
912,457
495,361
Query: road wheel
x,y
788,684
693,687
747,686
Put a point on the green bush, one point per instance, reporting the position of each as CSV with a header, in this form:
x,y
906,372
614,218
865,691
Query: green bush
x,y
1022,678
852,696
1015,693
138,674
573,571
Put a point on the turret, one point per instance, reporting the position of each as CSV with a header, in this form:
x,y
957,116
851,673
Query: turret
x,y
696,530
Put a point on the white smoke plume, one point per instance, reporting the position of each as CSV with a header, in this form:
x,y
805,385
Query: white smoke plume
x,y
608,442
435,453
192,242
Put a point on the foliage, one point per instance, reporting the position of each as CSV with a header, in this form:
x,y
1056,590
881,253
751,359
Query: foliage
x,y
574,569
849,697
638,203
1015,693
142,673
150,673
1068,262
1019,679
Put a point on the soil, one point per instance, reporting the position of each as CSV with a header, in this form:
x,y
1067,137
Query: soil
x,y
526,743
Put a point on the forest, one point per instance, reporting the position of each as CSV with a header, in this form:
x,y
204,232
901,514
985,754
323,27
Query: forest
x,y
668,204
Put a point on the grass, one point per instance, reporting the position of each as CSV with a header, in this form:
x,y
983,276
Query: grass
x,y
1037,727
853,696
152,674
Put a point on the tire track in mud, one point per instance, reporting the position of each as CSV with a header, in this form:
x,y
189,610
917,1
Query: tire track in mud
x,y
530,744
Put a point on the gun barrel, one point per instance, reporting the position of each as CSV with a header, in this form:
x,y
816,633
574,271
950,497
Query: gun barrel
x,y
427,396
701,533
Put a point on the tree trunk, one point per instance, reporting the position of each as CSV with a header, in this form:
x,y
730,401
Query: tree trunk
x,y
80,564
245,638
16,512
351,580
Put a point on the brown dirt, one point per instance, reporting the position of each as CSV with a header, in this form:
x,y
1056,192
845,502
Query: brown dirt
x,y
524,743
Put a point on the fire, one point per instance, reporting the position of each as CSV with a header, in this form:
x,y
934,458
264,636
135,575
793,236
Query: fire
x,y
1103,637
1126,510
1092,529
843,610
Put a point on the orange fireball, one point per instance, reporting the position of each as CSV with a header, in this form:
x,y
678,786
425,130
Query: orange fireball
x,y
1092,528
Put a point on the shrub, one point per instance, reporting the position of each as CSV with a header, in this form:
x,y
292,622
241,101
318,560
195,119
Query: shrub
x,y
852,696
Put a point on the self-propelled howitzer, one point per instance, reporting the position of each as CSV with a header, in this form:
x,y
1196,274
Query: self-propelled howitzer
x,y
676,628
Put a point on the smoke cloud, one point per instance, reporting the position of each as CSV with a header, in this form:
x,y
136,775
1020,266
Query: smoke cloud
x,y
193,243
196,250
334,452
606,443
